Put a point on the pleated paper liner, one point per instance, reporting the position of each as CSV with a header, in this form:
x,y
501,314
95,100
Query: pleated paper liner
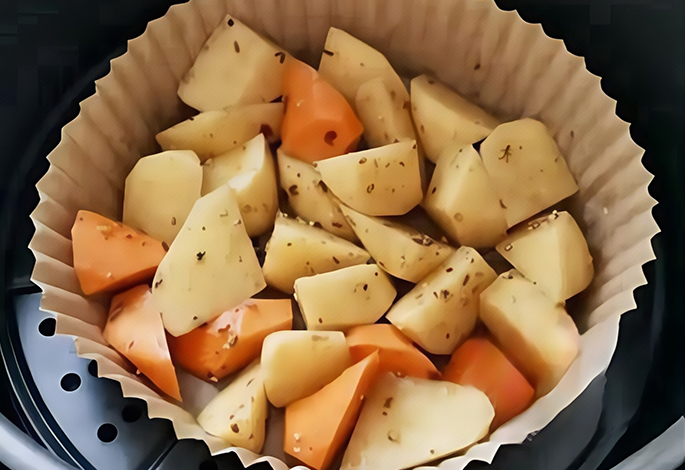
x,y
506,65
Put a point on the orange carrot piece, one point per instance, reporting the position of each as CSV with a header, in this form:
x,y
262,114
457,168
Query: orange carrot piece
x,y
397,353
109,256
232,340
135,329
318,122
481,364
318,426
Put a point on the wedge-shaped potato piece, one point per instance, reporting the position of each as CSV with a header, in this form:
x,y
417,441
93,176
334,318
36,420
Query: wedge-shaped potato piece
x,y
347,297
160,192
238,413
380,181
527,168
479,363
462,200
215,132
108,256
385,115
210,267
316,441
396,352
235,66
297,364
134,328
251,172
232,340
347,63
309,196
443,117
297,249
441,311
399,249
551,250
407,422
534,331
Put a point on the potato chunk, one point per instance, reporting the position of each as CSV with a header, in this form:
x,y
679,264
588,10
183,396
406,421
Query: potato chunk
x,y
235,66
534,331
160,192
552,251
341,299
527,168
441,311
443,117
210,267
381,181
462,200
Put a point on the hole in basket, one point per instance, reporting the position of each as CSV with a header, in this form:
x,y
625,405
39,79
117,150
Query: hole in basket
x,y
131,413
209,465
93,368
70,382
107,432
47,327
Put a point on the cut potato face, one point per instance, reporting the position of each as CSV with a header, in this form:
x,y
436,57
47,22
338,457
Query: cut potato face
x,y
347,63
391,434
534,331
384,114
317,441
160,192
212,133
238,413
235,66
310,198
551,250
134,328
462,200
441,311
444,118
527,168
398,249
380,181
210,267
297,249
347,297
251,172
321,356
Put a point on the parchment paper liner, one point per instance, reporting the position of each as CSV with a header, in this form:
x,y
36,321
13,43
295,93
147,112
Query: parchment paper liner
x,y
506,65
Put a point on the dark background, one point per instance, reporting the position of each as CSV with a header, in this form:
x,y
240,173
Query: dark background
x,y
50,51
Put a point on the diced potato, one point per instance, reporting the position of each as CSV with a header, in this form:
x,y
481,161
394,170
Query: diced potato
x,y
399,249
441,311
251,172
160,192
527,168
316,441
215,132
235,66
309,196
443,117
210,267
551,250
347,297
385,115
532,330
347,63
238,413
296,364
406,422
134,328
381,181
297,249
462,200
